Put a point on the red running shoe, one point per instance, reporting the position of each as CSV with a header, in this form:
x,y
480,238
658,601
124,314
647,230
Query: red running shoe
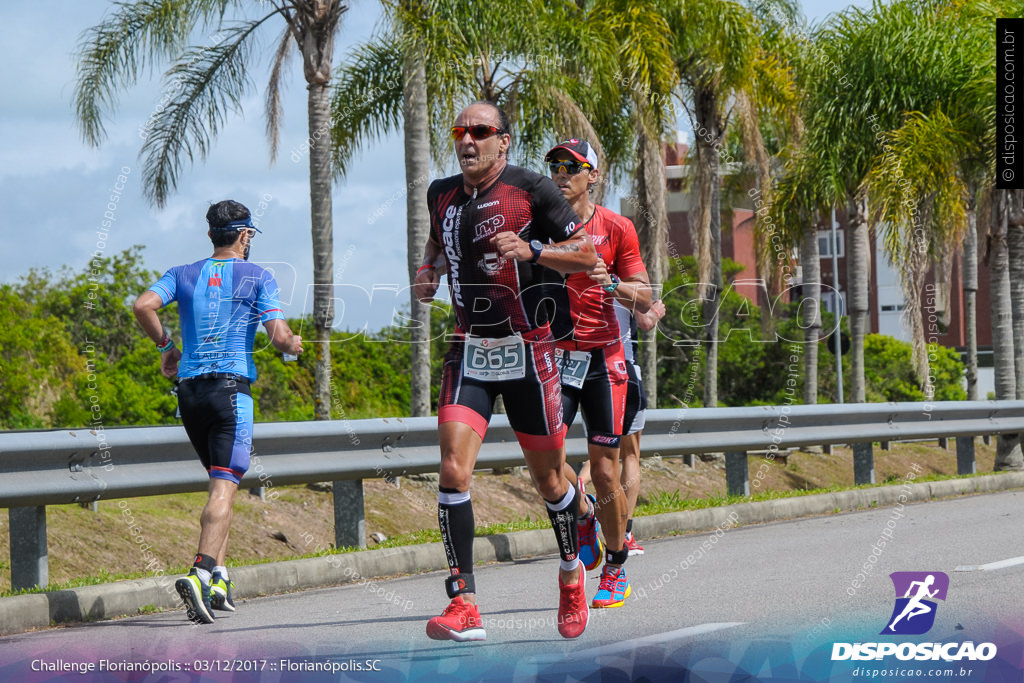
x,y
573,611
632,546
460,622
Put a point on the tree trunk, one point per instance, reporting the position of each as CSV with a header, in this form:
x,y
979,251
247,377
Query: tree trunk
x,y
316,23
417,170
970,277
652,230
323,246
1015,254
1008,452
810,310
710,226
858,273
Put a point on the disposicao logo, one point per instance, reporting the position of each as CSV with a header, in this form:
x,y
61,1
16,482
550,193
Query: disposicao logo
x,y
912,615
914,612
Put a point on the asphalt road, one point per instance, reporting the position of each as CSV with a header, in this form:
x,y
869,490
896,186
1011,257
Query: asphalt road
x,y
767,601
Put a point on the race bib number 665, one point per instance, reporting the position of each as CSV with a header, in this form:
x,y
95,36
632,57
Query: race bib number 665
x,y
494,360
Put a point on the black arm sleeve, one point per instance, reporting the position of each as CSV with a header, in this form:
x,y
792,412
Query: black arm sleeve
x,y
553,216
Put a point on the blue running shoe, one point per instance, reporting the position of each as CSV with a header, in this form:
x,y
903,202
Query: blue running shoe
x,y
591,546
614,588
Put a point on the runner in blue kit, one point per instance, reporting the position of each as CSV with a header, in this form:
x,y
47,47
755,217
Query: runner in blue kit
x,y
221,301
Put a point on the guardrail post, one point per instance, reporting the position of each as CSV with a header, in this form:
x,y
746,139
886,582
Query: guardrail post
x,y
349,519
30,565
690,459
737,476
965,455
863,463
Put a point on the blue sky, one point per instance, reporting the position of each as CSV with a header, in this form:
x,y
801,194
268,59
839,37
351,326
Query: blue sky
x,y
55,189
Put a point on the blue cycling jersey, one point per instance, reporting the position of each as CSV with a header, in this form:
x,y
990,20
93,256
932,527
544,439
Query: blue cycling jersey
x,y
220,302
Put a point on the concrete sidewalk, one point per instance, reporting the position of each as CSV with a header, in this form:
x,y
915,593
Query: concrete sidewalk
x,y
128,598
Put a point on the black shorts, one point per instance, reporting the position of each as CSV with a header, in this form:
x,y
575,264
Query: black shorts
x,y
218,418
636,401
602,398
533,403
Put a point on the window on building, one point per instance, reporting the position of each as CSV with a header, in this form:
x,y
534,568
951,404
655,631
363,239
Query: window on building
x,y
825,244
830,301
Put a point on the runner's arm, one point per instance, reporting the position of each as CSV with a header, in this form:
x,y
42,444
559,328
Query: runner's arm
x,y
145,309
282,338
633,291
428,277
573,255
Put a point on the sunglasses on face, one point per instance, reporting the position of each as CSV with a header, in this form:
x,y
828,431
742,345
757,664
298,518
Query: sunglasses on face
x,y
569,167
479,132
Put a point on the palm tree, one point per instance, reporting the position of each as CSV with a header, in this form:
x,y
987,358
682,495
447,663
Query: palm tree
x,y
795,211
640,101
204,83
926,179
415,115
947,158
1007,215
868,71
969,261
721,60
912,129
505,58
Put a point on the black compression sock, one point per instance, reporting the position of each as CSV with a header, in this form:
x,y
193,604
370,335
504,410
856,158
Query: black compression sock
x,y
455,519
563,521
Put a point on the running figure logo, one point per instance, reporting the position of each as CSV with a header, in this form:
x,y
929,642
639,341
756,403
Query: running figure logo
x,y
914,612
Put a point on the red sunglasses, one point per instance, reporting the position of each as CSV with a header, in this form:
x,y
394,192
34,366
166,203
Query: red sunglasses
x,y
479,132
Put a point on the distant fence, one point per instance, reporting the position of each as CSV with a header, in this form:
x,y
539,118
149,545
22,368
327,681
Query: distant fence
x,y
57,467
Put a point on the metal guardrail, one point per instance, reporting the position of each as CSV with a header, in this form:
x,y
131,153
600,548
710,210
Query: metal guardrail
x,y
40,468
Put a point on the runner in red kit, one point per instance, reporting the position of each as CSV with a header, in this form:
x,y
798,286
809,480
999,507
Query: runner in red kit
x,y
592,359
493,227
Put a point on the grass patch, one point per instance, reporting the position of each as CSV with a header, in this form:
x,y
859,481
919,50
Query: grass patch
x,y
663,502
93,580
523,524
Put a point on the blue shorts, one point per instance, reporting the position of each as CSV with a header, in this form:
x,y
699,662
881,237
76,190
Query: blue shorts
x,y
218,418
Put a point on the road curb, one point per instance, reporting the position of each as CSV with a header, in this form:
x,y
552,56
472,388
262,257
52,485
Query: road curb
x,y
125,598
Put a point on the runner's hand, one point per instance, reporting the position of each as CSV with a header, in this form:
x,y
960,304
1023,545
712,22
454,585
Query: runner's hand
x,y
511,247
296,347
649,320
425,285
169,362
599,273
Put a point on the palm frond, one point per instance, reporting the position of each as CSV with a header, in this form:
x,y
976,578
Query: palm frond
x,y
275,112
204,84
366,103
137,36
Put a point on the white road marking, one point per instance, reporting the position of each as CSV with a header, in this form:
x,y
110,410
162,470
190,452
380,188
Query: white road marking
x,y
630,645
1001,564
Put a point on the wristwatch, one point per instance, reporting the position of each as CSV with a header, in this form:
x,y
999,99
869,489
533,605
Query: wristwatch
x,y
612,285
535,247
